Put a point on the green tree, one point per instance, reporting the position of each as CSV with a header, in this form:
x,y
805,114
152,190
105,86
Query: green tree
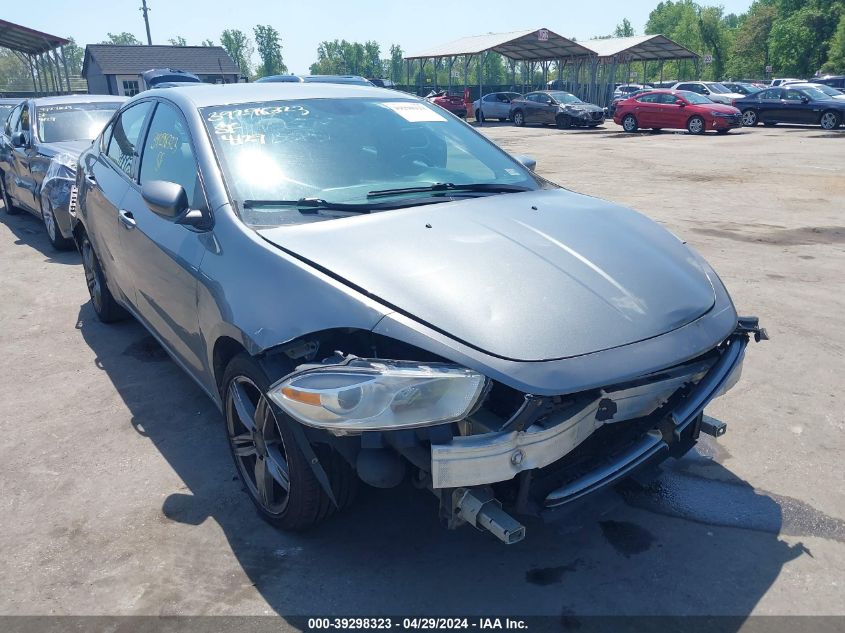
x,y
269,45
715,39
208,42
836,51
749,54
239,47
122,38
372,59
797,43
74,56
397,74
178,41
14,75
625,29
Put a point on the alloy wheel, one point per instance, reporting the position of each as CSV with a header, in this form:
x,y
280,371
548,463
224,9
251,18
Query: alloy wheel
x,y
49,220
518,119
629,123
695,125
828,121
749,118
257,444
92,279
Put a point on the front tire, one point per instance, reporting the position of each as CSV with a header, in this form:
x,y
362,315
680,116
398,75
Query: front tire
x,y
54,233
269,461
563,121
519,119
750,118
7,199
830,120
105,305
629,123
696,125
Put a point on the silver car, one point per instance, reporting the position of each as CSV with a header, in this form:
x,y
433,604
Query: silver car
x,y
713,90
496,105
371,290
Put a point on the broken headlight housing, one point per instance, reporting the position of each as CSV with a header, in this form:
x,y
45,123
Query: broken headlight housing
x,y
377,395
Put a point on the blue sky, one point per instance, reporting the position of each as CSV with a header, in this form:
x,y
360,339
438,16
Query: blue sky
x,y
413,24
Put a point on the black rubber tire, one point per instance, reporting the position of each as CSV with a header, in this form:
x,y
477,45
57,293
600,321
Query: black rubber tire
x,y
563,121
837,120
57,240
479,116
518,118
106,307
631,127
691,126
7,200
307,503
747,116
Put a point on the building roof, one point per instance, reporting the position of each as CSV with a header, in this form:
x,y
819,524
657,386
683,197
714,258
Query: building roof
x,y
528,45
543,44
640,47
114,59
25,40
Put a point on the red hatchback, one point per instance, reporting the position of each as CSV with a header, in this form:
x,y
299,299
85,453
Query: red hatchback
x,y
676,109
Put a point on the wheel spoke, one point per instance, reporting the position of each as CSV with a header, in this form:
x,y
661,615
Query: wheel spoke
x,y
243,406
243,445
277,467
263,482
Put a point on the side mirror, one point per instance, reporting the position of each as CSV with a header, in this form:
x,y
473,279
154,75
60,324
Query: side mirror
x,y
805,99
19,139
165,198
525,161
680,102
705,91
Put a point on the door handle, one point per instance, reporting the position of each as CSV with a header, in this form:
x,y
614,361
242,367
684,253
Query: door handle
x,y
126,219
89,177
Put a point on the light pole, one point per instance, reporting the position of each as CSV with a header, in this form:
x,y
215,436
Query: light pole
x,y
145,11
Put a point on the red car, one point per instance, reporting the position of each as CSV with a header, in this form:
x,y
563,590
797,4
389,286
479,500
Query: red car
x,y
677,109
453,103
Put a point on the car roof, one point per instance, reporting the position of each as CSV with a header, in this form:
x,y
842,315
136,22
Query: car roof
x,y
62,99
204,96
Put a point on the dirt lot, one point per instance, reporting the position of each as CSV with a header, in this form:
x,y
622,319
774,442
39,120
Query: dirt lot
x,y
119,496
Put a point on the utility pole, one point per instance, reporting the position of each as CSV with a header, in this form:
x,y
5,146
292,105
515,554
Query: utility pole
x,y
146,11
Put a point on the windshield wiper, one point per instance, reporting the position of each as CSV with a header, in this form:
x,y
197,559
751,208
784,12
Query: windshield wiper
x,y
448,187
309,205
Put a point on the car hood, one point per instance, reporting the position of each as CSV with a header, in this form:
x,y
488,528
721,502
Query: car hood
x,y
720,107
71,148
527,276
583,107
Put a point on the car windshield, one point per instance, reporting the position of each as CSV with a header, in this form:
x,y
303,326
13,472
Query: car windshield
x,y
350,151
830,92
695,98
816,94
564,97
72,121
717,88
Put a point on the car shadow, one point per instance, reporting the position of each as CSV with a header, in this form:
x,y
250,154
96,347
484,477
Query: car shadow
x,y
388,555
30,231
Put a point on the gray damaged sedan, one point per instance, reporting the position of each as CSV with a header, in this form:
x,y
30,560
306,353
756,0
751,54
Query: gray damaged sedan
x,y
370,290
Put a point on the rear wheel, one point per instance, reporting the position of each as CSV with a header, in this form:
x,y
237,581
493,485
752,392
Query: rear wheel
x,y
269,461
54,233
7,200
629,123
518,118
830,120
105,305
696,125
563,121
749,118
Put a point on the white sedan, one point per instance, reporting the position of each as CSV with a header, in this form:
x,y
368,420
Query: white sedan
x,y
713,90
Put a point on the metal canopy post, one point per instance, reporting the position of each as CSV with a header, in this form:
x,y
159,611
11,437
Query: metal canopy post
x,y
451,63
67,73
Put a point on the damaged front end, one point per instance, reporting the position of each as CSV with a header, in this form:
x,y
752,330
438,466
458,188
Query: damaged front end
x,y
58,190
485,449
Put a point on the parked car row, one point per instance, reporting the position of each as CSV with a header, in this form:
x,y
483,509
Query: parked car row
x,y
317,256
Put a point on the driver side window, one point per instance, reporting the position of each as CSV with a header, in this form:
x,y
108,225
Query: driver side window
x,y
168,154
792,95
12,122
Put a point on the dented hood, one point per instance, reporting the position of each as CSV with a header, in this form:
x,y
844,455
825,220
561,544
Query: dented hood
x,y
527,276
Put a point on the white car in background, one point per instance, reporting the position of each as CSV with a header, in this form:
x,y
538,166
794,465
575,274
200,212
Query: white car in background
x,y
623,90
783,80
830,92
713,90
495,105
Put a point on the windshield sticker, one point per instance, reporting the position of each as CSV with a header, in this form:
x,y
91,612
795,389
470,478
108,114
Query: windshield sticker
x,y
414,112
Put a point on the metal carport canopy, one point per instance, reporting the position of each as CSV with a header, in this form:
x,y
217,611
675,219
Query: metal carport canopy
x,y
640,48
529,45
25,40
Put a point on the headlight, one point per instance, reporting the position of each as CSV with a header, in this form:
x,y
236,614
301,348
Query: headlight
x,y
720,114
367,395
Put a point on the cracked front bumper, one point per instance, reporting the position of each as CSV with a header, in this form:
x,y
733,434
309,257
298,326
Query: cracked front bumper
x,y
499,456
